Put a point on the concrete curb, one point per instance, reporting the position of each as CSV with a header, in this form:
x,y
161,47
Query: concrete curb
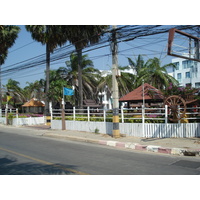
x,y
129,145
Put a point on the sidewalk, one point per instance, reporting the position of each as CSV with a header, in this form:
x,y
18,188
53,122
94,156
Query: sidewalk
x,y
175,146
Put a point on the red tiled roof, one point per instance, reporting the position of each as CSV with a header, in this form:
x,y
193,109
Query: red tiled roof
x,y
137,94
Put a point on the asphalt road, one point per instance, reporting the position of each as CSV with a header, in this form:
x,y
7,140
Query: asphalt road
x,y
22,154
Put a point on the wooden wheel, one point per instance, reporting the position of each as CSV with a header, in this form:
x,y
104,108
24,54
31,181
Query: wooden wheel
x,y
175,102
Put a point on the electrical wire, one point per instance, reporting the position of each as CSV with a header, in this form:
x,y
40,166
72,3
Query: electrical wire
x,y
124,34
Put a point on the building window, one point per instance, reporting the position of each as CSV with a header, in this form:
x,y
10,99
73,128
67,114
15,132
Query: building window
x,y
179,76
197,85
177,65
187,64
187,74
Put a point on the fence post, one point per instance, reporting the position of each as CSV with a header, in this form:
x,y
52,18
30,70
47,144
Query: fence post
x,y
122,113
51,112
179,112
104,114
88,113
6,114
63,115
74,113
166,114
166,118
143,120
17,116
30,121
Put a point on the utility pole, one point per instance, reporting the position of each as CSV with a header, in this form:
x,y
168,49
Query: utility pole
x,y
47,73
115,91
0,89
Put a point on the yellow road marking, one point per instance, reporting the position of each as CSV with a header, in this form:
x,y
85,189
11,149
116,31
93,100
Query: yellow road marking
x,y
44,162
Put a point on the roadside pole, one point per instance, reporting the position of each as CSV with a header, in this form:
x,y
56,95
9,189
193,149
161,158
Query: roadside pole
x,y
63,112
0,90
115,133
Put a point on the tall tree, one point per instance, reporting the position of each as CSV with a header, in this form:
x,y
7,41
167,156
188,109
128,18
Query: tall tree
x,y
125,81
80,36
90,76
157,75
51,36
57,82
8,35
15,91
34,90
151,72
138,68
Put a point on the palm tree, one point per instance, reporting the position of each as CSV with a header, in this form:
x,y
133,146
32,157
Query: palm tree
x,y
34,90
90,76
151,72
51,36
15,91
125,81
138,67
8,35
157,75
80,36
57,83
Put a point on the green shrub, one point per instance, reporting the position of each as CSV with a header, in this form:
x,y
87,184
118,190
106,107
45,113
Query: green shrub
x,y
96,131
10,116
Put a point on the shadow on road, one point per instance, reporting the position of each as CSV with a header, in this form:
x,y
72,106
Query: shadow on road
x,y
10,166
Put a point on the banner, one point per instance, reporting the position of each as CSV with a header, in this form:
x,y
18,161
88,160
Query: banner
x,y
68,91
9,98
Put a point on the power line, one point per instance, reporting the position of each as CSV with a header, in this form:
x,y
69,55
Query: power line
x,y
125,33
22,47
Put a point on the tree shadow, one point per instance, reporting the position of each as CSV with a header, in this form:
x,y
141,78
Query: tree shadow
x,y
160,129
151,139
10,166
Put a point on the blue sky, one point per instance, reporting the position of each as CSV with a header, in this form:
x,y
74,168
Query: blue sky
x,y
25,48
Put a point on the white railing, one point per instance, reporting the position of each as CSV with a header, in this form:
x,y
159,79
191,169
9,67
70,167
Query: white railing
x,y
137,115
87,114
141,122
146,130
11,117
4,112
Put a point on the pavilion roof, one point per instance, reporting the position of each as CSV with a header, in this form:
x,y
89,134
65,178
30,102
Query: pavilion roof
x,y
33,103
137,94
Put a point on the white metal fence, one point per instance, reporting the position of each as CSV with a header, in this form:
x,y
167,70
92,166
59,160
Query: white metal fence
x,y
11,117
148,130
137,115
141,122
133,122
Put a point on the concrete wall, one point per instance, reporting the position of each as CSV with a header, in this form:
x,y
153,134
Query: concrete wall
x,y
104,127
147,130
24,121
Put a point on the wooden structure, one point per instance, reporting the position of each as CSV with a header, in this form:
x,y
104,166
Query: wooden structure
x,y
33,106
176,102
91,103
151,96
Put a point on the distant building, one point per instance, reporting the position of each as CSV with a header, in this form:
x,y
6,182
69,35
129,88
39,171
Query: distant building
x,y
105,96
33,106
187,72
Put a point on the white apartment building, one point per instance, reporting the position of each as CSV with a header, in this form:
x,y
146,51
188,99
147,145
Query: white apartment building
x,y
187,72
